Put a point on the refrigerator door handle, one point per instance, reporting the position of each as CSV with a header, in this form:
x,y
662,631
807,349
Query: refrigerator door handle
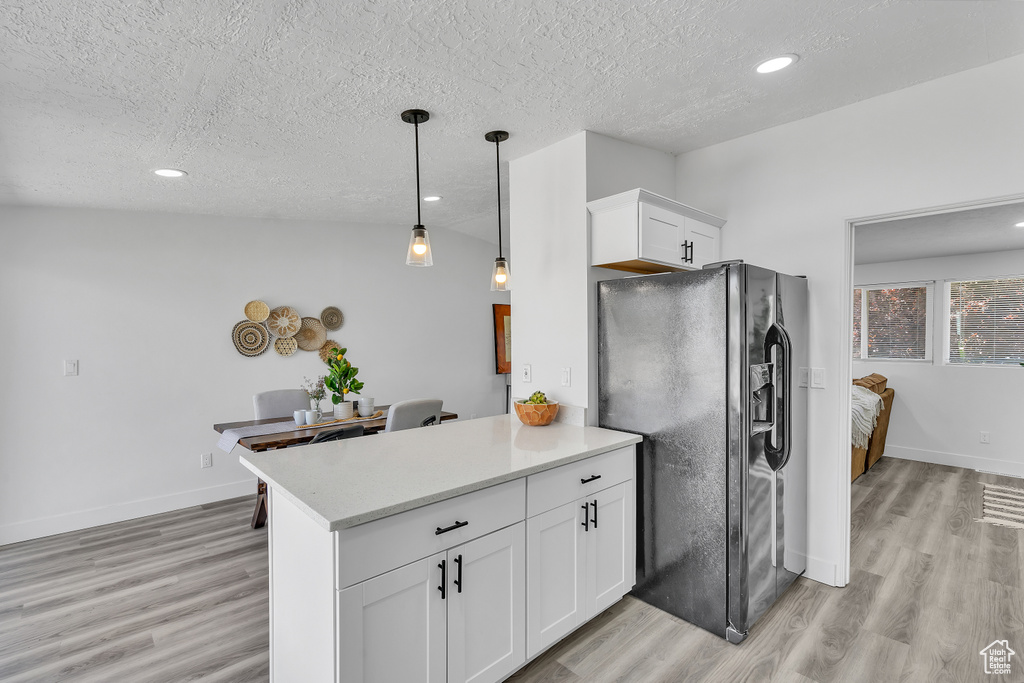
x,y
777,453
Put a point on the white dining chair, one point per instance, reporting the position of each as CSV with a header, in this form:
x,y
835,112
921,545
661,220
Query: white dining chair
x,y
419,412
279,403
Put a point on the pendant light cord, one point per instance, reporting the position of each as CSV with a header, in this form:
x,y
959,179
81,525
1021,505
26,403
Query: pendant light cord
x,y
497,175
419,218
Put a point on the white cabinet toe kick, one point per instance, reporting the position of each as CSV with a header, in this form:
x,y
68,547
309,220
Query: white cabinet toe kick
x,y
469,588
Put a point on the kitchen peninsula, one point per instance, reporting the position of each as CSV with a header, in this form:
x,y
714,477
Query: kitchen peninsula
x,y
450,553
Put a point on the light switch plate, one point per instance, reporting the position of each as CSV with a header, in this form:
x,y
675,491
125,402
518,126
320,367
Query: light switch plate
x,y
71,368
802,381
817,378
566,377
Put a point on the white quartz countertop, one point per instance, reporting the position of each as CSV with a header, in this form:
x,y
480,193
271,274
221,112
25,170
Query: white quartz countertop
x,y
341,484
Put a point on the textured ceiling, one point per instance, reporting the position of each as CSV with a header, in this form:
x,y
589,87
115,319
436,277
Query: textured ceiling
x,y
972,231
290,108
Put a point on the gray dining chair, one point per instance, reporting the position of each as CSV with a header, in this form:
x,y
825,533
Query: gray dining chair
x,y
279,403
420,412
348,432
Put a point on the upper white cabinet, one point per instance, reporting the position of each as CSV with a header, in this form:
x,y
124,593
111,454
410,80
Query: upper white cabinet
x,y
642,232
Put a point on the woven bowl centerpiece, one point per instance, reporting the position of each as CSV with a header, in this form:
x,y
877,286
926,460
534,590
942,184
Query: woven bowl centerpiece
x,y
536,414
284,321
311,335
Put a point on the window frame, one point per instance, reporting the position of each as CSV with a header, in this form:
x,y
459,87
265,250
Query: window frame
x,y
947,309
929,320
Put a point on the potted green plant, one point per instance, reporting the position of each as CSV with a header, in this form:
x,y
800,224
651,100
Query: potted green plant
x,y
341,381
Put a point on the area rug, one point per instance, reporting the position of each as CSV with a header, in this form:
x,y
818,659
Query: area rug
x,y
1003,506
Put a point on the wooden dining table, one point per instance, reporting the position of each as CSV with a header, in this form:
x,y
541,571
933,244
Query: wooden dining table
x,y
292,436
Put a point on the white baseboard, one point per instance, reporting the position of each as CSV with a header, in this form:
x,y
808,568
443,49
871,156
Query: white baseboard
x,y
119,512
1007,467
821,571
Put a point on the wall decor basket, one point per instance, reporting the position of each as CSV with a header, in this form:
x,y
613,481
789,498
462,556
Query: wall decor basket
x,y
311,335
251,339
285,346
325,349
332,318
284,321
257,311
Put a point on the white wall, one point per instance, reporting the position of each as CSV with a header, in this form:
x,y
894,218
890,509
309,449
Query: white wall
x,y
788,191
939,409
146,302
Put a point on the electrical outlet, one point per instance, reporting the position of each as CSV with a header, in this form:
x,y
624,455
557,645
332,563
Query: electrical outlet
x,y
527,373
71,368
817,378
566,377
985,438
206,460
803,377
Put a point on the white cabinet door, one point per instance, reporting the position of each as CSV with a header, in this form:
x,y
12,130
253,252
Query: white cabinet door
x,y
704,240
609,547
555,575
392,627
487,607
661,235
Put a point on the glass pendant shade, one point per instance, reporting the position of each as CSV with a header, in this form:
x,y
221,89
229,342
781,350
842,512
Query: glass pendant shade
x,y
501,276
419,248
419,244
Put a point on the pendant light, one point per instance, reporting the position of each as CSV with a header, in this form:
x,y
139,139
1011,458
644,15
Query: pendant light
x,y
501,276
419,244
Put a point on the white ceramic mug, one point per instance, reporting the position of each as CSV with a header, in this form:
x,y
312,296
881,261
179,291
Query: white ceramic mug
x,y
312,416
300,417
365,406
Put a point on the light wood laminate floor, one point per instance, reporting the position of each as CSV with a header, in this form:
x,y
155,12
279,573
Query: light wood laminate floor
x,y
929,588
183,596
173,597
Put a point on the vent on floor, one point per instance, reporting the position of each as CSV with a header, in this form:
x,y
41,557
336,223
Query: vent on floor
x,y
1003,506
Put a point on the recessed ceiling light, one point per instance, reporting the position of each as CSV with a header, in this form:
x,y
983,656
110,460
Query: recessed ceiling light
x,y
1019,225
433,198
776,63
169,172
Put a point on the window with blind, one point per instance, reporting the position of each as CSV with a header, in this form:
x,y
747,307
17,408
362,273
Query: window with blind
x,y
986,321
891,322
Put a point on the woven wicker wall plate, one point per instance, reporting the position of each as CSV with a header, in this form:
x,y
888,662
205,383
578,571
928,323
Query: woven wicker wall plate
x,y
257,311
325,349
332,318
285,346
311,335
284,321
251,339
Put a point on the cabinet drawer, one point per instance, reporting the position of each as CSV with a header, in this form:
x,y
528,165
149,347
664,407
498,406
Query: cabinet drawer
x,y
548,490
370,549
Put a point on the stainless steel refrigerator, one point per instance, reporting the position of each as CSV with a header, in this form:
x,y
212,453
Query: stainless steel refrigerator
x,y
706,365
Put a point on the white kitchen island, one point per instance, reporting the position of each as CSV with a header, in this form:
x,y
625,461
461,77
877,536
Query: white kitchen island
x,y
449,553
